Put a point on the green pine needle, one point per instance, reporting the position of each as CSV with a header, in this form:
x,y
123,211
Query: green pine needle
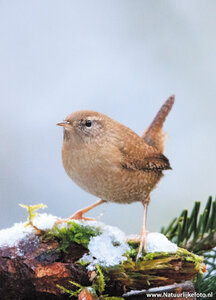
x,y
197,233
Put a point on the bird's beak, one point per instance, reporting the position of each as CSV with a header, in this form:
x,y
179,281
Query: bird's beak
x,y
64,123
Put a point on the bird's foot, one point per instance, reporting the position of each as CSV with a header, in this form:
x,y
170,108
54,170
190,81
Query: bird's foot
x,y
77,216
143,242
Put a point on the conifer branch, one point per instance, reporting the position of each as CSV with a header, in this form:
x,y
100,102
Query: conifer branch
x,y
196,232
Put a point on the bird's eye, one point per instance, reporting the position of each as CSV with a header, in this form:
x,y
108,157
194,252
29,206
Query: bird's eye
x,y
88,123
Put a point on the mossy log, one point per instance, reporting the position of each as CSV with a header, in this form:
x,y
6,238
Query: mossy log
x,y
35,267
155,270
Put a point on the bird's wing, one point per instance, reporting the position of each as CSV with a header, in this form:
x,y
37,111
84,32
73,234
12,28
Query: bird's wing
x,y
143,157
153,135
151,163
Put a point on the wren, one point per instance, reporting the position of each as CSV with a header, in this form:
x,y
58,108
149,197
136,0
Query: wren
x,y
112,162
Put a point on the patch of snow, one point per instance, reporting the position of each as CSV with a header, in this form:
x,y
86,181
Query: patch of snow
x,y
107,249
11,236
157,242
44,221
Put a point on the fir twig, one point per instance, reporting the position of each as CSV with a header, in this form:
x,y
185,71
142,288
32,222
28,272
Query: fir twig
x,y
196,233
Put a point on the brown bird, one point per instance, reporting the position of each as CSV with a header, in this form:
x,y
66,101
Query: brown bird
x,y
110,161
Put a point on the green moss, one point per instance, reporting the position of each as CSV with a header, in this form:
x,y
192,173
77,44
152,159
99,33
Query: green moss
x,y
100,282
132,253
147,271
189,256
74,232
181,253
83,263
70,292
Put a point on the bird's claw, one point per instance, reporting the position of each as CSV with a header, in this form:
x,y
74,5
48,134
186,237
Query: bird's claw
x,y
77,216
143,243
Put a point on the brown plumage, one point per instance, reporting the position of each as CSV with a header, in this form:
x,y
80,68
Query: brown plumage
x,y
110,161
154,135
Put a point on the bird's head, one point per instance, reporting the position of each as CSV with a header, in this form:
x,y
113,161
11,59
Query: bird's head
x,y
86,126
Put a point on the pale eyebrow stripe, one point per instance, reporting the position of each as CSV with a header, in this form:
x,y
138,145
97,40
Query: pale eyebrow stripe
x,y
93,118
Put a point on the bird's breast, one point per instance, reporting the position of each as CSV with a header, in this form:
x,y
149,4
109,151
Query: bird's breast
x,y
101,174
88,168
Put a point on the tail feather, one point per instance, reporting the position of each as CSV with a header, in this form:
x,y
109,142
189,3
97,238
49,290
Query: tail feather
x,y
154,135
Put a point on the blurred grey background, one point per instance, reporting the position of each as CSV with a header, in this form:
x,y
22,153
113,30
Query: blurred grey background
x,y
122,58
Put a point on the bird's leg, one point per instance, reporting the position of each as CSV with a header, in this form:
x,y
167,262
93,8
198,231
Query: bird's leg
x,y
144,232
79,214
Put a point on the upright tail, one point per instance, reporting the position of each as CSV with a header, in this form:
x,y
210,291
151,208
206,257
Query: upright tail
x,y
154,135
